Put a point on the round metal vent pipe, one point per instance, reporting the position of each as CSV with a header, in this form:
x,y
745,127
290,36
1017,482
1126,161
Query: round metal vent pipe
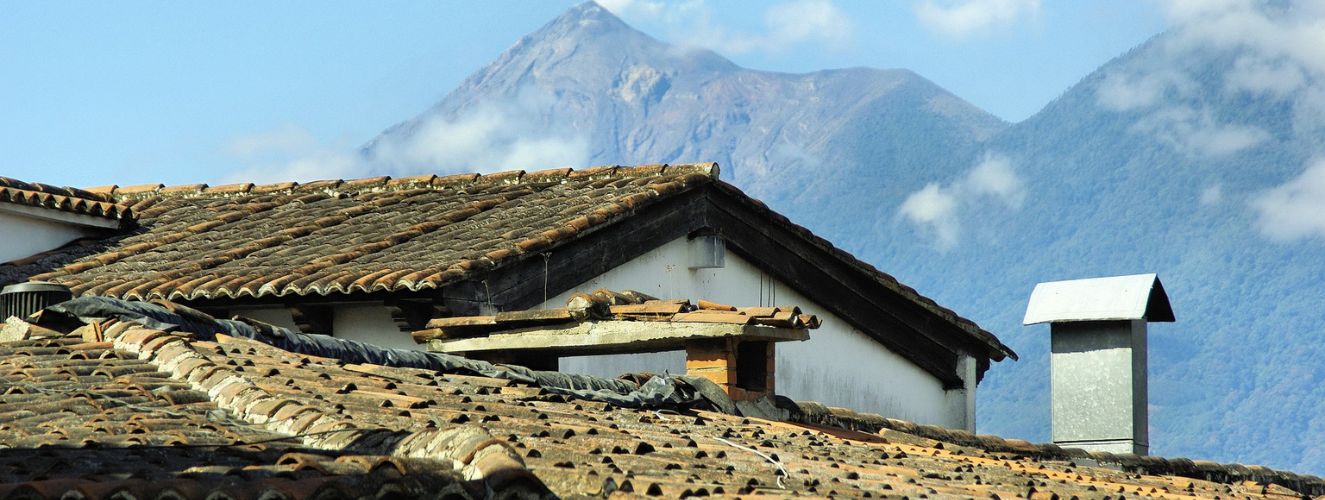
x,y
23,299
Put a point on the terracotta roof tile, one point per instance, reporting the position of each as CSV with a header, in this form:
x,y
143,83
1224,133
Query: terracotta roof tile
x,y
64,199
146,411
317,218
329,237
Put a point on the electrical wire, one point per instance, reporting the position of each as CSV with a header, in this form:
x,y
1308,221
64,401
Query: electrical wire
x,y
770,460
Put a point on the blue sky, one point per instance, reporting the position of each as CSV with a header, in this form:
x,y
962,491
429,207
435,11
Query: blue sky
x,y
177,92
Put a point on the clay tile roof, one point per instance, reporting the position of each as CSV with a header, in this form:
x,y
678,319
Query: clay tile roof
x,y
116,406
64,199
324,237
198,242
142,409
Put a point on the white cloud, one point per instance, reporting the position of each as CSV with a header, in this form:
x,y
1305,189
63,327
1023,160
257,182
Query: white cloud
x,y
1277,55
787,24
1126,91
936,207
964,18
1275,77
488,138
505,135
1197,133
994,176
939,208
1295,209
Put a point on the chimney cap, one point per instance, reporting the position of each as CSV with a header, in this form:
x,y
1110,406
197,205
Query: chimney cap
x,y
1138,296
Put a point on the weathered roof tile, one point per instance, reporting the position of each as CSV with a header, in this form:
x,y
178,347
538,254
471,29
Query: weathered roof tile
x,y
147,411
336,235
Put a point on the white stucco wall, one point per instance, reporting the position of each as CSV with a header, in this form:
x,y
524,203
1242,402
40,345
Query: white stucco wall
x,y
838,366
25,236
369,323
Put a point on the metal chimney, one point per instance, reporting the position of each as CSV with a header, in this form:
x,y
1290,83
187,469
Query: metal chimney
x,y
23,299
1097,362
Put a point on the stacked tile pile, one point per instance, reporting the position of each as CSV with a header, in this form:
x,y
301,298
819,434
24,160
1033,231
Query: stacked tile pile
x,y
608,305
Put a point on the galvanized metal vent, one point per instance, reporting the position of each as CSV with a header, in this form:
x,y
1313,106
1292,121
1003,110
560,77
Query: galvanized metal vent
x,y
24,299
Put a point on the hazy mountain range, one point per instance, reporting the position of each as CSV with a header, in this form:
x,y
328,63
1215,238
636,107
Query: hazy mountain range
x,y
1190,156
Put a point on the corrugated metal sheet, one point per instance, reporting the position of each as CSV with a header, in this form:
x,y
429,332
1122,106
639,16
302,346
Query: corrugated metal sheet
x,y
1138,296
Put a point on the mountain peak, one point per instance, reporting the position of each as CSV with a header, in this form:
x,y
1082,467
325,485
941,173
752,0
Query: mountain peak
x,y
590,10
587,19
593,39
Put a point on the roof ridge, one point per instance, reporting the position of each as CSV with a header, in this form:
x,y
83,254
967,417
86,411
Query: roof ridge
x,y
510,177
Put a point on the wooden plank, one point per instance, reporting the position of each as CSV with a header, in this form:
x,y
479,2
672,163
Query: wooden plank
x,y
462,321
423,336
457,332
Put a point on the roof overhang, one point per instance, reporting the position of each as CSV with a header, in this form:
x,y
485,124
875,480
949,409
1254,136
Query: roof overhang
x,y
61,216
